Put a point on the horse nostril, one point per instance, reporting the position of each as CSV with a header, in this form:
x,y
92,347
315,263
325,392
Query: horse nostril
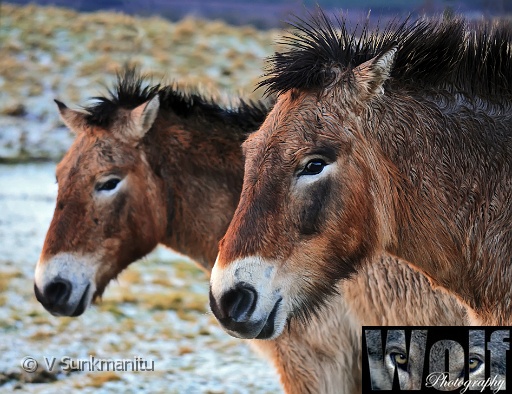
x,y
58,292
239,303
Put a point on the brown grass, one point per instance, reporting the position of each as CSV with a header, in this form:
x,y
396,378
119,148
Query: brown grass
x,y
93,46
7,276
175,300
185,350
98,379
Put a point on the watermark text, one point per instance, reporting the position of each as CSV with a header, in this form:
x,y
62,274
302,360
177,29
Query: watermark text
x,y
90,364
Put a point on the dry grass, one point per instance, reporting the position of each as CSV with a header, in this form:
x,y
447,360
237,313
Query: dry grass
x,y
62,46
159,286
175,300
185,30
185,269
130,276
162,280
42,335
185,350
7,276
98,379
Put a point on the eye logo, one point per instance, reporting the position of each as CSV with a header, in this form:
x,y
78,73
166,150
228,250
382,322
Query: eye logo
x,y
434,359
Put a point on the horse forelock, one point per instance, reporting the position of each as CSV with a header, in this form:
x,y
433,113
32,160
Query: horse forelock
x,y
431,53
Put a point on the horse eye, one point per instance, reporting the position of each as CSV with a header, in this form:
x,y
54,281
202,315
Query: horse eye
x,y
111,184
399,359
474,364
313,167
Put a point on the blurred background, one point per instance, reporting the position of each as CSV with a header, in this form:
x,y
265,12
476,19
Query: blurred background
x,y
265,14
158,309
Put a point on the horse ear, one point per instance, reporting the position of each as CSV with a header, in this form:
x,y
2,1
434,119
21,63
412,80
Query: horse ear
x,y
143,117
372,74
73,119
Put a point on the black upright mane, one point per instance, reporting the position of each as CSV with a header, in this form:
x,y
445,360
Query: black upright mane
x,y
431,53
133,89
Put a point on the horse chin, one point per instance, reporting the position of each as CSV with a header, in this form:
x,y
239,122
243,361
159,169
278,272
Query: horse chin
x,y
269,327
83,304
272,327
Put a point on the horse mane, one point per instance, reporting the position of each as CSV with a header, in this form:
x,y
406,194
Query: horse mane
x,y
133,89
432,53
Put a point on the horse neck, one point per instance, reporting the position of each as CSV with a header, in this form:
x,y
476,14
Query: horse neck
x,y
438,167
319,356
201,167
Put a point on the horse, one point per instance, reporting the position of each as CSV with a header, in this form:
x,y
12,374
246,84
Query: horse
x,y
394,141
154,164
128,183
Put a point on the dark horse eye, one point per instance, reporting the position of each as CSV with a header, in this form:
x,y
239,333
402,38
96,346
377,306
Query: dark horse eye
x,y
108,185
313,167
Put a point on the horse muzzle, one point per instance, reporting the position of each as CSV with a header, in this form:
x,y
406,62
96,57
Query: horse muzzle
x,y
238,314
64,284
56,298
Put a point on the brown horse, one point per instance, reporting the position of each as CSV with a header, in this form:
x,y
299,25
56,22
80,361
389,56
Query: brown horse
x,y
153,165
393,142
128,183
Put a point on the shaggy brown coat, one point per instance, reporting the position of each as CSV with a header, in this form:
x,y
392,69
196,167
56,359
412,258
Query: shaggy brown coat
x,y
394,142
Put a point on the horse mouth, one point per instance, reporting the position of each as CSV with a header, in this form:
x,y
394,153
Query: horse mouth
x,y
82,304
268,328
